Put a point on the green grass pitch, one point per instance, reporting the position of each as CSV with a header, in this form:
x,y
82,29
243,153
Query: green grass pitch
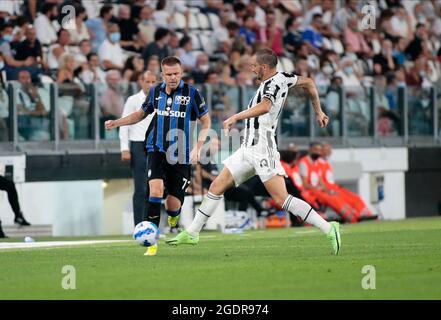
x,y
293,263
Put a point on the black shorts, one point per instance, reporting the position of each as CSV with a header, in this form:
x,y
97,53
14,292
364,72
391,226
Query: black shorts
x,y
176,177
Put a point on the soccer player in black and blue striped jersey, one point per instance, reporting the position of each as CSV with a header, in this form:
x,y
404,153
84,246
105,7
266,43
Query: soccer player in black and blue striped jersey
x,y
175,105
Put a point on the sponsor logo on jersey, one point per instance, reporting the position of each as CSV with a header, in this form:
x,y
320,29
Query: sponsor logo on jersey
x,y
263,163
171,113
185,100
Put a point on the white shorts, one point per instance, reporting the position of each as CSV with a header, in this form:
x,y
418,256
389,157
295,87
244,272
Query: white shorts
x,y
246,162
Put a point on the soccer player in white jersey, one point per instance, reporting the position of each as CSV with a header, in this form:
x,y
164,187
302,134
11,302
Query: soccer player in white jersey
x,y
258,153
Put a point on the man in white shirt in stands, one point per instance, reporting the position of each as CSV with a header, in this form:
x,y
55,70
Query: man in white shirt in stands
x,y
46,24
132,144
110,52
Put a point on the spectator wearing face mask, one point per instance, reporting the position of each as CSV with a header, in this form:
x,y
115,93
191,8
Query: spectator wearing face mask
x,y
323,77
185,54
97,26
200,70
110,53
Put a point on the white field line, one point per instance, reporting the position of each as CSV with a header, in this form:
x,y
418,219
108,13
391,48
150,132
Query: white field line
x,y
50,244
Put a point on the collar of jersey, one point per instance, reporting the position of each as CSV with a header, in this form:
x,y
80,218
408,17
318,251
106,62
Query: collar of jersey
x,y
271,77
181,84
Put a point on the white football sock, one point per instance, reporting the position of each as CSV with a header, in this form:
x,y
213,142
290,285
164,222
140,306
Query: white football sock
x,y
303,210
204,212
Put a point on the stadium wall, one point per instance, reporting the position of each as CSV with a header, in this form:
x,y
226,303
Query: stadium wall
x,y
423,182
99,204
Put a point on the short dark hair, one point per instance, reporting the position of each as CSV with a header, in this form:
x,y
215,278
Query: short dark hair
x,y
317,15
90,55
289,22
232,25
315,143
161,33
266,56
239,6
170,61
184,40
105,9
47,7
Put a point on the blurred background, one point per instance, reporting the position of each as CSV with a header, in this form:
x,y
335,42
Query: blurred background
x,y
67,66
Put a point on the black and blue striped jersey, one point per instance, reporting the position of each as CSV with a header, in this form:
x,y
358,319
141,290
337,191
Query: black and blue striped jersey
x,y
170,128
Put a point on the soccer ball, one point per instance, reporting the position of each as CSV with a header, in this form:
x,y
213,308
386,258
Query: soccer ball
x,y
146,233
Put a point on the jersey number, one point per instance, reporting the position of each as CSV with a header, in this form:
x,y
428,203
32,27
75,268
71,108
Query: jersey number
x,y
186,184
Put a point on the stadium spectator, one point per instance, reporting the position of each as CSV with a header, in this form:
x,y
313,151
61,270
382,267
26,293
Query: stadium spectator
x,y
85,48
271,35
292,38
199,73
80,32
312,33
342,15
32,119
146,26
12,65
385,61
247,30
111,101
388,118
186,55
129,30
133,65
30,102
110,52
97,26
240,10
46,24
92,72
57,49
162,17
31,47
352,36
415,47
159,47
401,23
154,65
9,187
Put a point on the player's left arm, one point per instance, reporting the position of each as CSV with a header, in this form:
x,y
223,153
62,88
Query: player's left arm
x,y
201,112
259,109
309,86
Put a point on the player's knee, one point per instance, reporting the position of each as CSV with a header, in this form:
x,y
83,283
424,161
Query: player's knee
x,y
216,188
156,191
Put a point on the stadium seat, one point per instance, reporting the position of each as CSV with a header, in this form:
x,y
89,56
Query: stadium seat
x,y
204,22
206,39
287,64
195,41
193,22
337,46
179,35
179,19
214,21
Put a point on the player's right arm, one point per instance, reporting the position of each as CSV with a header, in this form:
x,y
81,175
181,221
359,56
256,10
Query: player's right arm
x,y
309,86
136,116
132,118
